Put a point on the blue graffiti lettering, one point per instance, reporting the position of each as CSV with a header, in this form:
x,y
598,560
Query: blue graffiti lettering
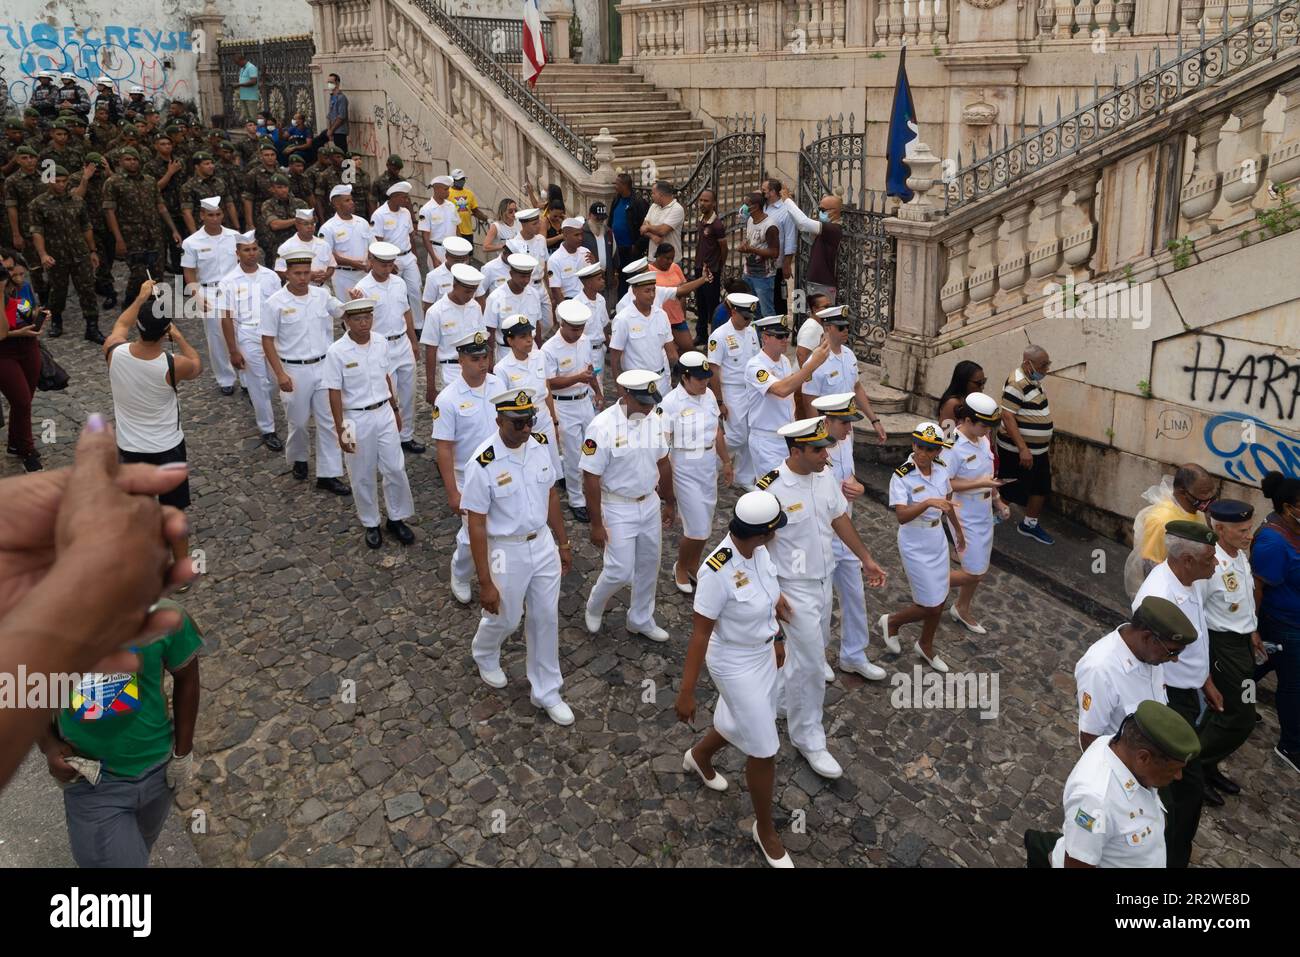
x,y
1272,449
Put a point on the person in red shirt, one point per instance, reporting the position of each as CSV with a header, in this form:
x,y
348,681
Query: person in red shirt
x,y
20,359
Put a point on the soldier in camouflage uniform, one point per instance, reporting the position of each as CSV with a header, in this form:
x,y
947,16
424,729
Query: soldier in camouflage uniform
x,y
33,129
205,182
365,203
248,147
87,184
329,173
104,133
168,172
61,148
257,187
232,173
21,188
13,139
275,221
137,218
77,127
65,244
299,183
392,174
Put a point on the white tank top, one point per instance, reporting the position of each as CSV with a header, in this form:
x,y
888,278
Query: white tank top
x,y
505,231
145,411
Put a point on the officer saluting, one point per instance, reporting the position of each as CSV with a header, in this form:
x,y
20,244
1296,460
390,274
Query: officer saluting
x,y
514,519
625,463
367,421
773,384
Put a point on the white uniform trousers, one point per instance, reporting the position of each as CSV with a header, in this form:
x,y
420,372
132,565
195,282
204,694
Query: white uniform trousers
x,y
736,429
767,451
695,483
256,376
631,556
746,678
574,417
529,579
847,579
307,397
462,560
803,677
218,353
409,270
401,367
344,280
546,426
378,447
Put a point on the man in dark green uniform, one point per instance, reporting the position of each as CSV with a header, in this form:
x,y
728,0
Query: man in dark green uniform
x,y
167,170
33,129
87,184
392,174
361,186
137,218
13,139
104,133
65,244
61,148
205,182
324,176
275,220
299,183
21,189
257,186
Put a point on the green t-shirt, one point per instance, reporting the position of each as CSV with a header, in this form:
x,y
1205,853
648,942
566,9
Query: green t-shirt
x,y
126,725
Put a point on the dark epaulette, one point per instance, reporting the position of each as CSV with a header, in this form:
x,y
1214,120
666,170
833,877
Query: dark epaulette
x,y
903,469
768,479
718,559
659,410
486,456
539,437
940,462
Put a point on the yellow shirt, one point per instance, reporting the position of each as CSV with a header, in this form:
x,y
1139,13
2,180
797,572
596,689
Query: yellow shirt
x,y
1152,546
465,204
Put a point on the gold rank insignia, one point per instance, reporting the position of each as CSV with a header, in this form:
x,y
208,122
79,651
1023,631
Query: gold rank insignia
x,y
705,365
1230,581
741,579
541,439
762,375
767,479
718,559
479,338
486,456
589,447
903,469
436,413
796,507
1087,701
351,365
713,345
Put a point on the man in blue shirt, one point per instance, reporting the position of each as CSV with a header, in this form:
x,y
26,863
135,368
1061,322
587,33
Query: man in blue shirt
x,y
626,214
338,114
247,95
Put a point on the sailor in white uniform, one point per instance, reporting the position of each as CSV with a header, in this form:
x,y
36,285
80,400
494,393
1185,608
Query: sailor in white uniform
x,y
449,320
693,428
517,296
522,366
738,606
514,524
628,483
437,220
242,296
348,237
439,280
367,421
565,260
975,491
391,223
573,383
531,241
642,337
305,239
207,257
592,295
919,493
395,324
731,346
772,384
810,495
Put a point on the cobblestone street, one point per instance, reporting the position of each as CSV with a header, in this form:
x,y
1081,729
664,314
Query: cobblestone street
x,y
431,767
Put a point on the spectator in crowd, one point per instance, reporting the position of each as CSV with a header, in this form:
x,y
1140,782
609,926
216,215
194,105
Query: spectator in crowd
x,y
774,196
710,252
664,218
1275,558
967,377
598,239
669,273
761,247
466,204
721,314
627,213
20,357
1024,460
555,216
337,118
299,128
247,95
503,229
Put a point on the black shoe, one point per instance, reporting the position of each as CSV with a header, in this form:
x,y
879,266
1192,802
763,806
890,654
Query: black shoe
x,y
412,446
334,485
272,442
300,471
110,302
94,335
373,538
400,529
1221,781
32,463
581,514
561,484
227,390
56,328
1290,757
13,451
1212,797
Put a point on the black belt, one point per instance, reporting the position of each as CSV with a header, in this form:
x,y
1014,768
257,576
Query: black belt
x,y
400,335
403,252
370,408
448,362
570,398
302,362
216,283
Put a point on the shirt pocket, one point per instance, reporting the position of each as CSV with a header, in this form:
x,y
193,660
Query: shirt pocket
x,y
637,332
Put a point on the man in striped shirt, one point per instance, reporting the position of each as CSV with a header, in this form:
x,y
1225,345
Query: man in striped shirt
x,y
1023,457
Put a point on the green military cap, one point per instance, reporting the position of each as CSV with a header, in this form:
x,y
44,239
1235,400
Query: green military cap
x,y
202,156
1192,531
26,151
13,123
171,129
1165,619
225,146
357,153
129,151
60,124
395,160
265,144
32,111
297,158
149,110
76,119
60,171
95,158
279,179
1167,730
330,149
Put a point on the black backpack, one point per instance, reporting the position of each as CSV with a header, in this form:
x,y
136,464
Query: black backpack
x,y
53,377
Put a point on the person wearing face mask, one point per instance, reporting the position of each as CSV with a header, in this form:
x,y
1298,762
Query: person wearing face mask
x,y
1192,492
1024,440
337,118
1275,558
827,232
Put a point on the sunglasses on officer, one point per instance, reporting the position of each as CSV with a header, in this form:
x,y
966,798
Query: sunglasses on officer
x,y
522,422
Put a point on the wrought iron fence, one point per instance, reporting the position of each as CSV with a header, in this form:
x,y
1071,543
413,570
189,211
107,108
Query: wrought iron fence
x,y
283,73
504,39
1258,38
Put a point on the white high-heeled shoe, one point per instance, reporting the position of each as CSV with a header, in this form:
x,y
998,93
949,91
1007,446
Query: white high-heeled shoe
x,y
937,663
955,615
715,783
891,641
782,861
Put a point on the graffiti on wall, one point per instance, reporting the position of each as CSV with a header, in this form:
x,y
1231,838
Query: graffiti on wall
x,y
404,133
1258,378
127,56
1248,449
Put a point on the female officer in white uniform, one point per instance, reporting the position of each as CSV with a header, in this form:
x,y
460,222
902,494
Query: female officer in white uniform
x,y
521,366
975,490
918,493
692,426
737,604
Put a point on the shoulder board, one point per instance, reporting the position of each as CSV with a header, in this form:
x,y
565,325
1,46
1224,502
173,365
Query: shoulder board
x,y
486,456
718,559
905,468
939,461
539,437
768,479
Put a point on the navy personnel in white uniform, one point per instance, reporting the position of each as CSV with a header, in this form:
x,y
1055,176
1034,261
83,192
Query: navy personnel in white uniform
x,y
572,381
522,366
841,411
839,373
348,238
642,337
628,482
810,496
517,296
463,418
297,331
975,491
242,295
391,223
367,421
738,604
207,257
437,220
496,270
395,324
662,293
731,346
920,494
531,241
439,281
449,320
565,261
772,384
514,525
592,295
305,239
699,450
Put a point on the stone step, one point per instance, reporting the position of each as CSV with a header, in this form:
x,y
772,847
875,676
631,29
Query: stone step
x,y
884,399
686,139
622,88
684,126
629,119
619,112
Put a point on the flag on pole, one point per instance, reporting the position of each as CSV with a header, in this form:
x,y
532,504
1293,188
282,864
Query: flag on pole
x,y
903,132
534,47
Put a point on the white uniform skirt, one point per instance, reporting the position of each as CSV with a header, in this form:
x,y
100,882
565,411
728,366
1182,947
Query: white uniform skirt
x,y
695,480
925,559
745,676
976,518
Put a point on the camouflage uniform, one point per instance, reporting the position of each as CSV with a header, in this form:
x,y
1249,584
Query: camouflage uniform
x,y
197,188
156,169
276,209
300,185
134,200
94,200
63,221
116,108
326,180
257,190
71,157
21,189
361,185
247,149
104,136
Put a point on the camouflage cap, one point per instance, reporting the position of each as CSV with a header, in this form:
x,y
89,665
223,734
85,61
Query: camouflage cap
x,y
26,150
171,129
265,144
202,156
76,119
60,171
59,124
129,152
279,179
1167,730
329,149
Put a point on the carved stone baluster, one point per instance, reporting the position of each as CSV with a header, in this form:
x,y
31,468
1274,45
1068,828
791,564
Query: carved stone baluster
x,y
711,30
1245,179
1191,15
1081,236
1046,17
680,36
1013,268
984,269
911,21
1284,160
839,23
952,295
1124,18
1064,19
941,14
1045,258
1213,17
1083,18
1200,194
1104,13
882,23
813,25
926,21
895,22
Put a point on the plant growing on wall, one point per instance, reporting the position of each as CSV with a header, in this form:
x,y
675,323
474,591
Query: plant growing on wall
x,y
1145,388
1276,221
1182,248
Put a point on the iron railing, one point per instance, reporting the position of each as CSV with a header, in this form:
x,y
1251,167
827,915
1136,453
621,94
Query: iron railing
x,y
504,39
1257,38
577,145
283,72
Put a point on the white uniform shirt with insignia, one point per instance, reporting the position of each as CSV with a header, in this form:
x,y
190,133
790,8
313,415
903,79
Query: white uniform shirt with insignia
x,y
768,412
730,350
244,294
739,595
1111,682
503,301
690,421
839,373
211,257
392,226
1110,819
641,339
803,549
495,275
438,220
597,326
349,238
1230,594
359,372
512,488
466,416
446,322
810,337
1193,665
970,460
526,373
567,358
316,246
563,267
535,247
392,304
302,326
625,454
439,282
662,295
914,487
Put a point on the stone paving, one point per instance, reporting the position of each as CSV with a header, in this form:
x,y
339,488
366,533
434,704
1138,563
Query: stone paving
x,y
430,767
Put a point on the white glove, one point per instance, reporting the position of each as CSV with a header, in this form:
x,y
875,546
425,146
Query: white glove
x,y
180,770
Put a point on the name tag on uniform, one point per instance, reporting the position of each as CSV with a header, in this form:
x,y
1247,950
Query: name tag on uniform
x,y
686,412
620,442
833,374
288,311
969,458
390,222
565,363
918,488
340,234
797,506
504,479
516,376
351,365
741,579
466,405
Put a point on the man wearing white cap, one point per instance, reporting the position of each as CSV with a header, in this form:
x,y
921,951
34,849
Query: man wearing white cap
x,y
305,239
463,417
572,381
566,260
628,482
437,220
496,270
297,330
208,256
242,297
448,321
773,385
514,523
439,282
531,241
592,295
45,95
731,347
366,419
521,365
810,495
348,238
642,337
839,373
467,208
517,297
391,223
394,324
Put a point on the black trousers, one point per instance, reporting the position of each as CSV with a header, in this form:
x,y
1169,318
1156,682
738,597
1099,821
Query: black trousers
x,y
1232,662
626,254
706,302
1183,798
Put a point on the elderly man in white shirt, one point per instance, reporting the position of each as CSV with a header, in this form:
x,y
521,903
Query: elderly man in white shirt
x,y
663,221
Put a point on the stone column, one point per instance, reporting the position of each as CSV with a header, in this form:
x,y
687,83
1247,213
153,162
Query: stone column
x,y
560,14
208,25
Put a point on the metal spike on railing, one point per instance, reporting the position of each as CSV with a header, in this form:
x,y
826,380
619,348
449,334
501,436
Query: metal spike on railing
x,y
841,123
1076,99
1203,19
1157,56
1006,137
959,159
1178,55
1137,68
1250,10
1096,90
1226,21
990,152
1058,107
1117,76
852,123
1040,116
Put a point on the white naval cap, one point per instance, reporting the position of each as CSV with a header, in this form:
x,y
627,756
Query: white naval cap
x,y
472,343
466,275
211,202
761,511
138,89
457,246
246,238
929,433
402,187
984,406
299,256
742,300
573,222
832,314
343,189
457,174
527,215
694,363
841,405
636,266
440,181
305,214
515,323
573,312
640,382
516,403
384,251
807,432
354,306
641,279
589,270
772,324
521,262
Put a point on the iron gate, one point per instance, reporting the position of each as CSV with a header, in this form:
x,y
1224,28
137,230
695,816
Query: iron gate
x,y
284,76
835,162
